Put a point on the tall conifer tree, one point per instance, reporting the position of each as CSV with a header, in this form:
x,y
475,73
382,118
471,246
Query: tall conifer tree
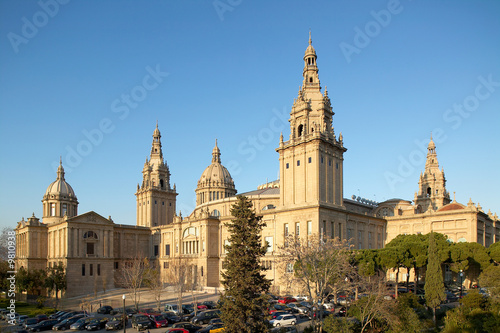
x,y
244,302
434,286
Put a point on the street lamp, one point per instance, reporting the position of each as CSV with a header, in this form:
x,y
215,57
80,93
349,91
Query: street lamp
x,y
124,315
461,287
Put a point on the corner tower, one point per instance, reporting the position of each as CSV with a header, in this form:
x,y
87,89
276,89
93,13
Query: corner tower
x,y
432,193
215,182
311,161
155,197
59,199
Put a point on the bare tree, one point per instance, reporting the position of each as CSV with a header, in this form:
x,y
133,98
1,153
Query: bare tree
x,y
317,265
154,283
178,275
372,307
133,273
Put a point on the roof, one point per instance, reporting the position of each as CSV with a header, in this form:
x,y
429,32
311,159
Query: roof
x,y
264,191
451,206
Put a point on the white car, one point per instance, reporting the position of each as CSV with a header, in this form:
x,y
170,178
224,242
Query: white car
x,y
282,320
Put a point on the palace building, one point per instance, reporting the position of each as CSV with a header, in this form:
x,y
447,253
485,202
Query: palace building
x,y
307,199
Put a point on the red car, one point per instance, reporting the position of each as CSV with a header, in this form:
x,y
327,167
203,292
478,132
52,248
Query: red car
x,y
158,320
286,300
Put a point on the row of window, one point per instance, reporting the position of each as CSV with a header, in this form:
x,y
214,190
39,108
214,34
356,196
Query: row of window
x,y
64,210
162,203
91,269
309,160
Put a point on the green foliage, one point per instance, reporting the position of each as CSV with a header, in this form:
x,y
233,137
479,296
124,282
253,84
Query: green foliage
x,y
490,278
339,325
464,319
40,301
474,300
494,252
244,307
56,279
434,286
367,262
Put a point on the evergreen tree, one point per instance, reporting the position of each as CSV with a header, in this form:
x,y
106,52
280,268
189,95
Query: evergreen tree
x,y
56,280
434,286
244,307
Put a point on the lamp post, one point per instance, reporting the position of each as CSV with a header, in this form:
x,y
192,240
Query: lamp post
x,y
124,315
461,276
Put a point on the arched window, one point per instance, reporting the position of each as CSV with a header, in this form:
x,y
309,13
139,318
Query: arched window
x,y
215,213
90,235
269,207
161,183
310,79
429,191
300,129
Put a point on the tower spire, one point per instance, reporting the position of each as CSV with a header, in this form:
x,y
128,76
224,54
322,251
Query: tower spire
x,y
310,39
216,153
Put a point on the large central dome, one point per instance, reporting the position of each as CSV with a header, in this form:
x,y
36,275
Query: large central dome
x,y
215,182
60,187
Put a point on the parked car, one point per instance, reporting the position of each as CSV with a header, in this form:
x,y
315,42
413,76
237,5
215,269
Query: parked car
x,y
176,330
20,320
282,320
141,322
80,323
210,304
188,326
277,307
114,324
450,297
106,309
158,320
286,300
97,324
57,314
41,317
205,316
66,323
210,327
44,325
30,322
171,317
276,314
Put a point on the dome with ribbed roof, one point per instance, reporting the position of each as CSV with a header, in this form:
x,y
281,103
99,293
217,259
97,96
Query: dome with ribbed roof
x,y
60,187
215,181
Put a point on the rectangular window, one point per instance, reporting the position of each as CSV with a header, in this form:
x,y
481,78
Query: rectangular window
x,y
309,160
298,162
337,165
287,165
83,269
289,268
226,243
321,159
98,269
285,231
329,162
309,227
332,231
52,209
90,248
167,249
91,269
155,250
340,231
116,264
64,209
297,229
269,240
165,265
323,230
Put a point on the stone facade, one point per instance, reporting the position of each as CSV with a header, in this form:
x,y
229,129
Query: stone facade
x,y
308,199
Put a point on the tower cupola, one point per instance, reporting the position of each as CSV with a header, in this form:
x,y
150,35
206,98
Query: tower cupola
x,y
59,199
215,182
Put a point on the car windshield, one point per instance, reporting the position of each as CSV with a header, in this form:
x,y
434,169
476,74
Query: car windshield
x,y
141,318
158,317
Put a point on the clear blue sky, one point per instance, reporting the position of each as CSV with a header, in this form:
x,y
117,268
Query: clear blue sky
x,y
395,71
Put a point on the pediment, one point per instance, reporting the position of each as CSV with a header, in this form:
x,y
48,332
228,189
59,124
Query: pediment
x,y
91,218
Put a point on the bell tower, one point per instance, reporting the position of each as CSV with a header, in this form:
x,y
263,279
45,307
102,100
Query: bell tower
x,y
311,161
155,197
432,193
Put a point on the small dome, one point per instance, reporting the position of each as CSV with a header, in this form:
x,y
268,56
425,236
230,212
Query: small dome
x,y
216,174
451,206
60,186
310,50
